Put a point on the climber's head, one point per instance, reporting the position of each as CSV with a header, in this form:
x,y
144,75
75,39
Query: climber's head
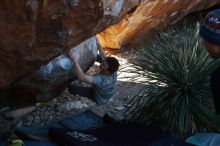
x,y
110,64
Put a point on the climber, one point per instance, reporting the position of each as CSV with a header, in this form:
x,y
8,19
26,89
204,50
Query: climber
x,y
210,32
103,83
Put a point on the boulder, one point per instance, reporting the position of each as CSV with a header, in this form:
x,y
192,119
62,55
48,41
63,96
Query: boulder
x,y
33,32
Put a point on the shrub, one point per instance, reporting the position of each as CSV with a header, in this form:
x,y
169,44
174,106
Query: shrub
x,y
175,72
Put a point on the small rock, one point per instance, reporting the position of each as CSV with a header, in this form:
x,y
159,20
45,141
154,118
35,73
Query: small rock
x,y
117,93
128,105
38,104
111,100
79,105
119,108
125,98
72,105
85,105
37,119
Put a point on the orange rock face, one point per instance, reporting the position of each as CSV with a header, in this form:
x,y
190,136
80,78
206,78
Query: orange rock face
x,y
33,32
150,15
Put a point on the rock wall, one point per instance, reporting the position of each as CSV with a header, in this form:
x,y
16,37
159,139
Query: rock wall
x,y
149,16
33,32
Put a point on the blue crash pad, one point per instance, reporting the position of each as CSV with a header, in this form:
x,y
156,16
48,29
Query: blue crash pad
x,y
84,121
81,121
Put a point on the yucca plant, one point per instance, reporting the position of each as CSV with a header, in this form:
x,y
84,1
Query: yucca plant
x,y
175,72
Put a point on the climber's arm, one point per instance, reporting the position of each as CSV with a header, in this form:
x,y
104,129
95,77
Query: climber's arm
x,y
101,51
78,70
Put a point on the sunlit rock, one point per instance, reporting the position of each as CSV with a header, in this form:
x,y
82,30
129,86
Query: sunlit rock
x,y
150,15
72,105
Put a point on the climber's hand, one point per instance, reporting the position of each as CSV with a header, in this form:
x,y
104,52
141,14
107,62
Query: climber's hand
x,y
72,55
